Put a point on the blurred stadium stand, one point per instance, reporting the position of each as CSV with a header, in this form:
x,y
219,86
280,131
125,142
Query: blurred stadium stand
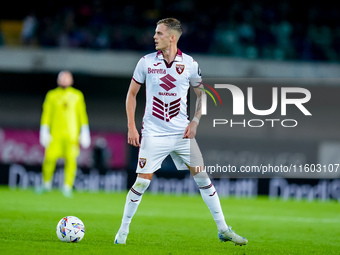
x,y
250,29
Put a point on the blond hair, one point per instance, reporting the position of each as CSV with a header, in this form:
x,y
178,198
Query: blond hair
x,y
172,23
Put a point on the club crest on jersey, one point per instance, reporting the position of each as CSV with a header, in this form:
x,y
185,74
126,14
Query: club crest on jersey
x,y
142,162
180,68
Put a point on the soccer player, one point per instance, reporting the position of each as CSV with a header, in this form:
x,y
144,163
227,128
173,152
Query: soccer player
x,y
64,123
167,75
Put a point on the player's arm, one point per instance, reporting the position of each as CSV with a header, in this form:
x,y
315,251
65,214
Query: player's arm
x,y
44,134
85,137
198,110
190,131
46,110
131,103
83,118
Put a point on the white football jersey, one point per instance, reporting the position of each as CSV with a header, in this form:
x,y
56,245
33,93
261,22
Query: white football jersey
x,y
166,92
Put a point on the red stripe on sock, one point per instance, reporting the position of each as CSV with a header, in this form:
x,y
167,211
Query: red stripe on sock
x,y
136,192
207,187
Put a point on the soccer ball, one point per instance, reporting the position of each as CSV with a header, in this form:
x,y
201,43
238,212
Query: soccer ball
x,y
70,229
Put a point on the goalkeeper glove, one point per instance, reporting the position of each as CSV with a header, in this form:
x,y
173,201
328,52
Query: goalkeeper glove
x,y
44,136
84,137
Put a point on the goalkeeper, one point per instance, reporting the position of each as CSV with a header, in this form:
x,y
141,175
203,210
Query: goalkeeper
x,y
64,124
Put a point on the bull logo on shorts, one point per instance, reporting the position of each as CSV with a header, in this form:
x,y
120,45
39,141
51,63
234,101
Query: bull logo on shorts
x,y
142,162
180,68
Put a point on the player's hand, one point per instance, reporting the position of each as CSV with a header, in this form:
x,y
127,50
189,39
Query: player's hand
x,y
190,131
133,137
85,138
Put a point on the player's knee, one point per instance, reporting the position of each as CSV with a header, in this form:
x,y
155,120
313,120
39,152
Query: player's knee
x,y
202,179
145,176
71,160
49,159
141,184
194,170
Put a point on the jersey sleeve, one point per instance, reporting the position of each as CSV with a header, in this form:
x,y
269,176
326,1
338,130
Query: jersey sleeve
x,y
139,74
195,75
83,119
47,110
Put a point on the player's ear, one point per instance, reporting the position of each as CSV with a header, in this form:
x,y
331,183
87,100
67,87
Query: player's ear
x,y
173,37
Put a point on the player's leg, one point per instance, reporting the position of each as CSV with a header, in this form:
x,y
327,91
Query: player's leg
x,y
70,168
152,152
48,168
210,197
133,199
52,153
188,153
206,188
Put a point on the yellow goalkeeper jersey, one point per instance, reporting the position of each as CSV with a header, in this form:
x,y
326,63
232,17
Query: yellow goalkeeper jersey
x,y
64,111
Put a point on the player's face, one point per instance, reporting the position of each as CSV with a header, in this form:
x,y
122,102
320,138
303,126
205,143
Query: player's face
x,y
162,37
65,79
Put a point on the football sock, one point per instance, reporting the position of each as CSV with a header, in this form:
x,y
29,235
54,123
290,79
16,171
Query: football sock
x,y
210,197
133,199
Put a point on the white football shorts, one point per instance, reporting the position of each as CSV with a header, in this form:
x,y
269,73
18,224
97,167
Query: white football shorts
x,y
154,149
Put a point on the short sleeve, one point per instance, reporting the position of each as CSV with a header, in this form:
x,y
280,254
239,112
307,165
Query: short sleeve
x,y
140,72
195,74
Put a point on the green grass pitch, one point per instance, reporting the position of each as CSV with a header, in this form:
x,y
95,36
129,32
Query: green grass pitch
x,y
166,224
